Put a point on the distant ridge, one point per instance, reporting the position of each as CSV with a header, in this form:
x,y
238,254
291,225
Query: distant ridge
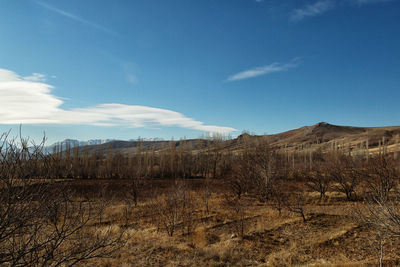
x,y
321,135
71,143
324,136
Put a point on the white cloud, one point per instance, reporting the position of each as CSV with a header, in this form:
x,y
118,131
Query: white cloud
x,y
36,77
130,69
130,78
312,10
320,7
76,18
274,67
365,2
29,101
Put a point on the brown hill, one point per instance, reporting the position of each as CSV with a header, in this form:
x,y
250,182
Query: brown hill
x,y
321,135
326,136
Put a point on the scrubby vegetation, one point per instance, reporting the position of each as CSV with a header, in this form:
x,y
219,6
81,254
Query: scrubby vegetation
x,y
206,205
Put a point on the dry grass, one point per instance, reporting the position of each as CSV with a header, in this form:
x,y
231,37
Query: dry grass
x,y
330,237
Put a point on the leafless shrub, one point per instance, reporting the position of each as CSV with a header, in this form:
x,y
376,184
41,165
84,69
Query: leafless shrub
x,y
381,210
240,177
296,201
344,172
167,213
263,164
39,223
382,215
237,210
176,208
206,194
318,180
278,196
381,176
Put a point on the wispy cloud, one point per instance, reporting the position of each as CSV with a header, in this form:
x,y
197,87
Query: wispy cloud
x,y
259,71
312,10
24,101
320,7
36,77
366,2
130,78
75,17
130,69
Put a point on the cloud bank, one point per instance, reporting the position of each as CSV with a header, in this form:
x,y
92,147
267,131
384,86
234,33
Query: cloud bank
x,y
259,71
28,100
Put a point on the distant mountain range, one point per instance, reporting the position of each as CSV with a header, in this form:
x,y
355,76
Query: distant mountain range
x,y
71,143
322,136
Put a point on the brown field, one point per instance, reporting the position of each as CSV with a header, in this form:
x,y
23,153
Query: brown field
x,y
301,198
331,236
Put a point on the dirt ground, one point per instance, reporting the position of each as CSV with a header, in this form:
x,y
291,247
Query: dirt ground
x,y
331,236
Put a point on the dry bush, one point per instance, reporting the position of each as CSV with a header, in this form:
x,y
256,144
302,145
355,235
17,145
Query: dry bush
x,y
318,180
206,194
240,177
263,164
39,226
383,218
383,215
296,202
177,208
237,210
344,172
381,175
278,196
167,215
381,210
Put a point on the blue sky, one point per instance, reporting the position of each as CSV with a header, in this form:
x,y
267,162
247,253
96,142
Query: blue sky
x,y
89,69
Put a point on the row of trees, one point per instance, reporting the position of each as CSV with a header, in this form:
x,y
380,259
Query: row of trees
x,y
173,160
260,170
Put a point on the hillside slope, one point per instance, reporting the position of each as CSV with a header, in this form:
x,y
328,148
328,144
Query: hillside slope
x,y
321,135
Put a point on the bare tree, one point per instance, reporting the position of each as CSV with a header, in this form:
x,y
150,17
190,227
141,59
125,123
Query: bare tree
x,y
237,209
278,196
263,165
39,224
383,216
381,176
135,171
318,180
176,209
343,172
206,194
240,176
295,201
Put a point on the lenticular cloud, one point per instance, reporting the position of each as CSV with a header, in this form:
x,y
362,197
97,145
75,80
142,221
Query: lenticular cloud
x,y
28,100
